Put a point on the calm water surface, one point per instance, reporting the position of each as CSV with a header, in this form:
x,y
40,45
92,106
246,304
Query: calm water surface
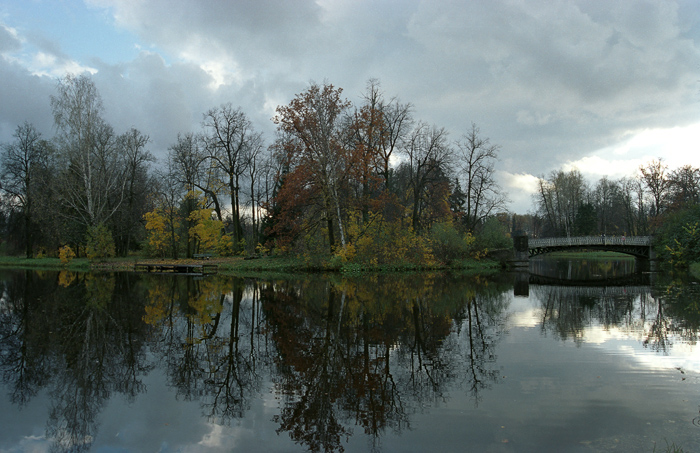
x,y
510,363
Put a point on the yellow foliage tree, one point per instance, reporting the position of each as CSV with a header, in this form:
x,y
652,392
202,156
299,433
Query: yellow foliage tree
x,y
206,230
162,225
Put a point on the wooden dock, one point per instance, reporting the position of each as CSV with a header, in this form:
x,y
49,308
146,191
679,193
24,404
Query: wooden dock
x,y
180,269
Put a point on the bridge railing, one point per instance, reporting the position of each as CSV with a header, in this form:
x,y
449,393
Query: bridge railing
x,y
590,240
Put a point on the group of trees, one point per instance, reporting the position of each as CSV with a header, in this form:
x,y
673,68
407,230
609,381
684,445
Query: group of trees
x,y
375,182
85,184
336,179
638,205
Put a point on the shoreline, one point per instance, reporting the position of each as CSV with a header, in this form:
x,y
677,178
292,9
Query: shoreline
x,y
241,266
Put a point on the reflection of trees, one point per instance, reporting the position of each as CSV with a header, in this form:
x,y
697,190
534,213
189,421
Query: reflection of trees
x,y
674,312
482,325
310,364
83,342
370,353
199,322
343,354
100,354
23,361
656,316
566,313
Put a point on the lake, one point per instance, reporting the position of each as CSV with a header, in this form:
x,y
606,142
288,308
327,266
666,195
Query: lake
x,y
577,356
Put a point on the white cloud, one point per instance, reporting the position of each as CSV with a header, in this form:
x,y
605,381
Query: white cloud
x,y
44,64
677,146
520,187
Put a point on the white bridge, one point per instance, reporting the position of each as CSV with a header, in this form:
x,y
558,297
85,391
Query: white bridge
x,y
638,246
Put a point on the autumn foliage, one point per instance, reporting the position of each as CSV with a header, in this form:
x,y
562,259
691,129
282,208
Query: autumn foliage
x,y
337,193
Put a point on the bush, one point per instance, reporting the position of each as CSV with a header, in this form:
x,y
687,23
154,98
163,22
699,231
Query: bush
x,y
679,237
390,243
66,254
100,244
493,235
448,244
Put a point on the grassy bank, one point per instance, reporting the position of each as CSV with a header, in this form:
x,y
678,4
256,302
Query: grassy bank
x,y
241,266
590,255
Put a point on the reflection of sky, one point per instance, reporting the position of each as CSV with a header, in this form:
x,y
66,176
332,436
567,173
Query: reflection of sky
x,y
624,341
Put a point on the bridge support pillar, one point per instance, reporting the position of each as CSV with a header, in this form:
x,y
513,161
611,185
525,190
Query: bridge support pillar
x,y
522,257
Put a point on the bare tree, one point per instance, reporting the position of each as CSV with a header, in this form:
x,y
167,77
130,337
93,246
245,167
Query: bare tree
x,y
93,179
397,122
132,146
255,160
428,156
483,196
654,175
193,171
559,198
230,140
24,166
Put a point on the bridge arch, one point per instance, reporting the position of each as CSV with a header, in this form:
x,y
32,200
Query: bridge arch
x,y
637,246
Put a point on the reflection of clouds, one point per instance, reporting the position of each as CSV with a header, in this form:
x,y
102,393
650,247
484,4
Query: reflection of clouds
x,y
626,343
523,313
624,340
32,444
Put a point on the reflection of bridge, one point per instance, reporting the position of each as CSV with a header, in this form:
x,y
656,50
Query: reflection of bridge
x,y
632,284
638,246
591,291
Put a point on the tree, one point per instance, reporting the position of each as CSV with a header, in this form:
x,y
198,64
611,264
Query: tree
x,y
132,146
25,169
656,180
365,135
164,222
558,199
93,180
230,140
477,157
255,161
632,199
684,186
397,122
314,119
428,157
191,169
605,194
586,222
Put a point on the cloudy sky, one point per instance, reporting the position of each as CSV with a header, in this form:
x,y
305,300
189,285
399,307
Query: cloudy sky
x,y
599,85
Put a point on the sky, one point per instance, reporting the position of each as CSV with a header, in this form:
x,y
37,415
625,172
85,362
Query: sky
x,y
597,85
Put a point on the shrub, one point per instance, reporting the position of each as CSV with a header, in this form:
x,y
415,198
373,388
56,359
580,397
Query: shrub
x,y
100,244
493,235
225,245
447,243
66,254
678,239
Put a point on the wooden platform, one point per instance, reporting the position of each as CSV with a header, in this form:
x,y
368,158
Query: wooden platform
x,y
181,269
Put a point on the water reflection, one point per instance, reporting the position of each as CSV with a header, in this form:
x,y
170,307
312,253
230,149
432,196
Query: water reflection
x,y
82,343
341,356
